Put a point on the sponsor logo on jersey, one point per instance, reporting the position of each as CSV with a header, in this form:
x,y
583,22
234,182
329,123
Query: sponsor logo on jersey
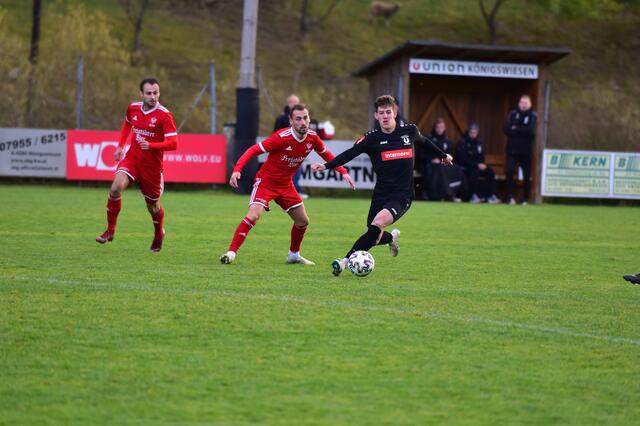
x,y
383,142
397,154
288,148
135,117
153,122
309,146
406,140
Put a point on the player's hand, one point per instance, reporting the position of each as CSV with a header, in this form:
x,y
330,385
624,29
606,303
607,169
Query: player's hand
x,y
349,180
318,167
118,155
144,145
234,179
448,160
482,166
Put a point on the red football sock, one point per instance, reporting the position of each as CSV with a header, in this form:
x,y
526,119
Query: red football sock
x,y
158,223
241,233
113,209
297,234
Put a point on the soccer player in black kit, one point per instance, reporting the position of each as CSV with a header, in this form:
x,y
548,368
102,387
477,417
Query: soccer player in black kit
x,y
391,149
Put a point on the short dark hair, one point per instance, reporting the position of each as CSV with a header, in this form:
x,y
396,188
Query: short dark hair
x,y
385,100
148,80
297,107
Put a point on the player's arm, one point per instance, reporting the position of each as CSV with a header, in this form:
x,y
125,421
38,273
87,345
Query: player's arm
x,y
328,156
265,146
427,143
344,157
125,131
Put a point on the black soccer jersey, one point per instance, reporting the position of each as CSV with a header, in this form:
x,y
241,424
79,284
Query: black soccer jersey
x,y
392,155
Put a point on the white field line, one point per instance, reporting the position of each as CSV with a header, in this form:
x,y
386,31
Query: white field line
x,y
413,313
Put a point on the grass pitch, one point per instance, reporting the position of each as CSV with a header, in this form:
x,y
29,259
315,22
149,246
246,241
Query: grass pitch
x,y
490,315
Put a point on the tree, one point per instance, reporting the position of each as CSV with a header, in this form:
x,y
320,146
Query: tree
x,y
136,15
490,18
306,21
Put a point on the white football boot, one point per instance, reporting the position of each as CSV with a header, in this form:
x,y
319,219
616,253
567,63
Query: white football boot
x,y
338,266
296,258
228,257
394,247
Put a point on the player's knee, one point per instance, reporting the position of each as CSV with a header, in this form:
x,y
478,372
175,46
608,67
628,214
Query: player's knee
x,y
153,208
302,223
115,192
253,217
378,223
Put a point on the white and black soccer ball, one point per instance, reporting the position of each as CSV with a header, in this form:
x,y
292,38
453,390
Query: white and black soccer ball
x,y
361,263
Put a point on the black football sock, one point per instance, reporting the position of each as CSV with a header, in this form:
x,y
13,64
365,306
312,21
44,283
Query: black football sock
x,y
385,239
366,240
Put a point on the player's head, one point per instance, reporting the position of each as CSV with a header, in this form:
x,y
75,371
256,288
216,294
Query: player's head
x,y
150,92
292,100
299,118
440,126
385,111
473,130
524,103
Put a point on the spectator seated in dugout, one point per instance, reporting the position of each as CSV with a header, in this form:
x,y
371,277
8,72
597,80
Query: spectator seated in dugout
x,y
480,178
439,182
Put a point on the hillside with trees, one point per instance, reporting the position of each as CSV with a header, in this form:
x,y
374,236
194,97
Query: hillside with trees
x,y
309,47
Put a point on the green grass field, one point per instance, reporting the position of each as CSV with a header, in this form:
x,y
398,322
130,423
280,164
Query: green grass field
x,y
490,315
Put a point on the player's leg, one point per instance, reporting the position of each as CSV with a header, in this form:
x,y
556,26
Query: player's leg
x,y
157,217
382,213
300,223
114,204
242,231
152,186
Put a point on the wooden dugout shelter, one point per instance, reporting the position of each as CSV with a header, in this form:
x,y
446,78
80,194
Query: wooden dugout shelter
x,y
465,83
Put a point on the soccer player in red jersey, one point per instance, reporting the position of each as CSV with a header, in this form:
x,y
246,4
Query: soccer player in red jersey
x,y
287,150
154,131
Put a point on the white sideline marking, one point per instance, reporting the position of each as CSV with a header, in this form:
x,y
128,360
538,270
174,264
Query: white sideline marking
x,y
345,305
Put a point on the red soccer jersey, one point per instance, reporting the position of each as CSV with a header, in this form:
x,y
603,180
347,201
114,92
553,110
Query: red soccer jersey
x,y
286,154
153,125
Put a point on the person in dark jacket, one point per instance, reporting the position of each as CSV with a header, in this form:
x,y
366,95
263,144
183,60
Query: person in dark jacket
x,y
520,130
439,182
282,122
480,178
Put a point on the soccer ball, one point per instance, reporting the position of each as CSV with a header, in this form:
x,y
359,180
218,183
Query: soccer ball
x,y
361,263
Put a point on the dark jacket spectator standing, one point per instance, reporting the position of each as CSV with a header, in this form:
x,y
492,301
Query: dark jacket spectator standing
x,y
480,177
520,130
439,182
283,122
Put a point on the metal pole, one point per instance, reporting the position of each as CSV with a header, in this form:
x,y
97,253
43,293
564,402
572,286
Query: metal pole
x,y
79,91
212,96
248,47
247,98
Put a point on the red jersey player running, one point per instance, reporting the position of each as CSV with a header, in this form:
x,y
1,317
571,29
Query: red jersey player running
x,y
154,131
287,150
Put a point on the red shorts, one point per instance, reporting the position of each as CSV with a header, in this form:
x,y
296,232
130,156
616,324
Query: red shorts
x,y
149,179
286,197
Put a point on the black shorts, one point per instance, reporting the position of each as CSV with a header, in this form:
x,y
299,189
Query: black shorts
x,y
398,206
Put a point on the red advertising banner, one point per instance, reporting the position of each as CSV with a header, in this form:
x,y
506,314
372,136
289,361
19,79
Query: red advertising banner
x,y
198,159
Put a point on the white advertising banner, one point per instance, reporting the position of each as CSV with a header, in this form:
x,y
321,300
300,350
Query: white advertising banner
x,y
473,69
590,174
360,169
33,152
